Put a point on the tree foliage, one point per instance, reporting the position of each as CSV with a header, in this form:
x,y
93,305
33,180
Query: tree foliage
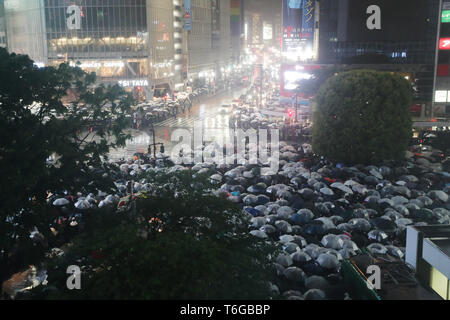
x,y
34,125
182,243
363,117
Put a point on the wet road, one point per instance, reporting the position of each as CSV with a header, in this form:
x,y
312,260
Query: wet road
x,y
206,112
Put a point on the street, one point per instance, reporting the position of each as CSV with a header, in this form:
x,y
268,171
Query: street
x,y
206,111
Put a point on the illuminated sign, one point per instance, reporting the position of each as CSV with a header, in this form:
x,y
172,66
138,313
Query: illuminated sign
x,y
267,32
308,19
445,16
235,20
444,44
291,74
97,65
86,65
187,15
441,96
133,83
292,23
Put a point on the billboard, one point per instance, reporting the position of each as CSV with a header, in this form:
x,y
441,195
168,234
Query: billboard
x,y
444,44
292,23
309,7
290,74
267,31
187,15
399,20
215,17
445,16
235,22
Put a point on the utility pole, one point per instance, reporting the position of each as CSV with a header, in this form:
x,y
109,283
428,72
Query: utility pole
x,y
154,144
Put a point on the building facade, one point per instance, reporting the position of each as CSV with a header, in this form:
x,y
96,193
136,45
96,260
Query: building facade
x,y
139,44
405,40
3,39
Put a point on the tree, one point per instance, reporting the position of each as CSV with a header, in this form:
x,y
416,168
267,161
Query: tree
x,y
363,116
183,243
34,125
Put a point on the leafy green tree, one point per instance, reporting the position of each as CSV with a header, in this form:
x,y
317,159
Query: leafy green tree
x,y
183,242
363,117
34,125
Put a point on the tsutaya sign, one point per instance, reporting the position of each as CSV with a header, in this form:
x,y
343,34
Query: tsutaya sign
x,y
73,21
133,83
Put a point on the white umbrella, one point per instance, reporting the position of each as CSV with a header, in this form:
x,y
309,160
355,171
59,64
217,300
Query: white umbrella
x,y
61,202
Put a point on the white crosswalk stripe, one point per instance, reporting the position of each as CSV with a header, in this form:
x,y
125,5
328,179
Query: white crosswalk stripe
x,y
216,121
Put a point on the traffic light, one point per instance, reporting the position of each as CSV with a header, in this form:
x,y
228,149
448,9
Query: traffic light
x,y
290,113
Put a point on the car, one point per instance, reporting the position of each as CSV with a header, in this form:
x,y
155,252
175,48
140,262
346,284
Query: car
x,y
226,108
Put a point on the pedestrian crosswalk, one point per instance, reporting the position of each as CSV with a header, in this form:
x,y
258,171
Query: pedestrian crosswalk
x,y
216,121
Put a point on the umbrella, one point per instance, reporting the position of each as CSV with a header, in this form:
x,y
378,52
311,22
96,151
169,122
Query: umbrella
x,y
250,200
312,250
300,241
299,258
403,222
284,260
399,200
314,294
360,224
376,174
291,247
317,282
83,205
332,241
327,191
254,212
328,261
385,225
283,226
293,293
327,222
342,187
61,202
262,209
426,200
284,212
294,274
269,229
337,219
377,248
258,234
438,195
395,252
377,235
286,238
257,222
307,194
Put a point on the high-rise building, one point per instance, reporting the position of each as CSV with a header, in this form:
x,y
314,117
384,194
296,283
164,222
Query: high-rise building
x,y
3,42
442,83
388,35
139,44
